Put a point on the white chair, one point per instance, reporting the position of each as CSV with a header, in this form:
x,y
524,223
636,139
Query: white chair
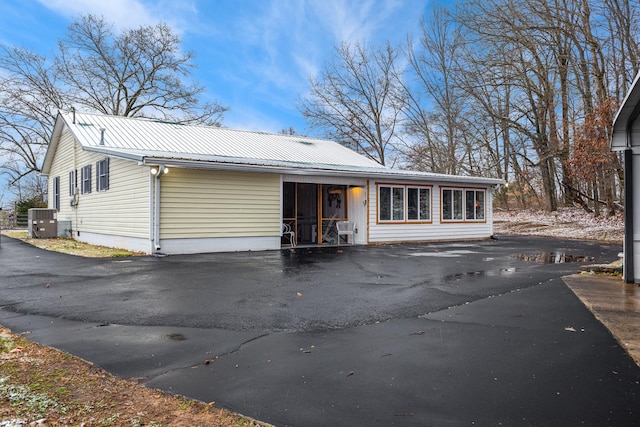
x,y
346,228
285,231
328,231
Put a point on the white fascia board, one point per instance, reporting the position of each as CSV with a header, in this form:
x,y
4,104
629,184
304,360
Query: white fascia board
x,y
114,153
619,136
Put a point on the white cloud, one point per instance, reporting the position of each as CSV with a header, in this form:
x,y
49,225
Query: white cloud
x,y
128,13
351,21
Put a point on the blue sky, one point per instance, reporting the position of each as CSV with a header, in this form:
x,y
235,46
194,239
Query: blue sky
x,y
254,56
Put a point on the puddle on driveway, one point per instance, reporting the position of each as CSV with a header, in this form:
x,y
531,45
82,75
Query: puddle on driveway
x,y
444,254
176,337
553,258
480,273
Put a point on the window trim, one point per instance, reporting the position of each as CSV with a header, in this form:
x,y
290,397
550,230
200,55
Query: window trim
x,y
102,174
85,179
405,203
73,182
56,193
464,191
429,207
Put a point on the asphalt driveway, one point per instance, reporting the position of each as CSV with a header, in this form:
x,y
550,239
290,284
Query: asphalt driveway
x,y
430,334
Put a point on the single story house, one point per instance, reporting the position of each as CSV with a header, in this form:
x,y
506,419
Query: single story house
x,y
626,138
157,187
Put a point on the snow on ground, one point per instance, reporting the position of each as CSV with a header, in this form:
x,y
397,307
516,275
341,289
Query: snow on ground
x,y
571,223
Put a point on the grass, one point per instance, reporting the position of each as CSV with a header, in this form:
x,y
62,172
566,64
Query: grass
x,y
43,386
71,247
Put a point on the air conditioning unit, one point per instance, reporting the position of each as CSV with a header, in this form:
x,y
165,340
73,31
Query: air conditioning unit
x,y
43,223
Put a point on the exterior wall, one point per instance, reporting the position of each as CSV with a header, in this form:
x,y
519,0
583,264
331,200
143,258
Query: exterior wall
x,y
436,230
635,168
208,211
112,217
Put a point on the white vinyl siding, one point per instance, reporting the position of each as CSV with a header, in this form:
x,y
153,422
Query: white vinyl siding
x,y
199,203
432,231
122,211
62,165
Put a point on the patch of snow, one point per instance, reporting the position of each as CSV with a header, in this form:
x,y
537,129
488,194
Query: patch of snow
x,y
571,223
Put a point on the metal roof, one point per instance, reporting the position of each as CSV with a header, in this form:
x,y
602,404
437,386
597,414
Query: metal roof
x,y
150,141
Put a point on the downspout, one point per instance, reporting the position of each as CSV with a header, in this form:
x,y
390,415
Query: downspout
x,y
156,206
628,267
627,261
152,214
628,270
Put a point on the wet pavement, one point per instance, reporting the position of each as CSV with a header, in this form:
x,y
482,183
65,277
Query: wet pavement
x,y
614,303
431,334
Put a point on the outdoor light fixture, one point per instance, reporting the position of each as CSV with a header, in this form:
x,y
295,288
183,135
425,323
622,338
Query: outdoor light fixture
x,y
154,171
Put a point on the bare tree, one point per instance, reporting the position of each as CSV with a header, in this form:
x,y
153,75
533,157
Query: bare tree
x,y
29,99
357,100
140,72
436,104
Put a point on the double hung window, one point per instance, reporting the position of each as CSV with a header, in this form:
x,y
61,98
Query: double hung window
x,y
85,179
56,193
73,182
102,175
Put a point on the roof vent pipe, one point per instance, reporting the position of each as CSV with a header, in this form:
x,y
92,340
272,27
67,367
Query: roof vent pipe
x,y
102,136
73,111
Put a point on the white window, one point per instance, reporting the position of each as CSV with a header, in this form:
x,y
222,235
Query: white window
x,y
400,203
85,179
73,182
452,204
474,205
418,204
463,204
391,203
56,193
102,175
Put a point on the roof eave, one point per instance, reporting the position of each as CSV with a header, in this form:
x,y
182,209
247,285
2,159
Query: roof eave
x,y
53,145
322,170
627,113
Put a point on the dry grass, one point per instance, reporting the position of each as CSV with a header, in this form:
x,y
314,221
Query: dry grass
x,y
70,246
43,386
